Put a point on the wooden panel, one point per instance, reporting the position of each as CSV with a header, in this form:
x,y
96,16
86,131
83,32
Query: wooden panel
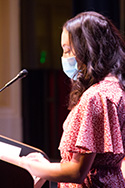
x,y
4,51
10,103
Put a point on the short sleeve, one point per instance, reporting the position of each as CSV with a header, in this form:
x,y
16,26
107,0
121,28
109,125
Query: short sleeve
x,y
93,126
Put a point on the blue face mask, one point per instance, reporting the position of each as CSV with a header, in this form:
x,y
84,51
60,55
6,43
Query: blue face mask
x,y
70,67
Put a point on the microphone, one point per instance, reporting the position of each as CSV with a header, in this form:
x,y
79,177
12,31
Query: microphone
x,y
21,75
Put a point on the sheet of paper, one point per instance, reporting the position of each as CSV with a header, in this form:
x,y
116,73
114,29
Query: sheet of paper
x,y
9,150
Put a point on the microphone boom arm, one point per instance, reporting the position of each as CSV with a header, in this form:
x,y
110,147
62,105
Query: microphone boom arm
x,y
21,75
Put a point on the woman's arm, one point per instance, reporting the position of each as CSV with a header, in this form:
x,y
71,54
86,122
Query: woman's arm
x,y
74,171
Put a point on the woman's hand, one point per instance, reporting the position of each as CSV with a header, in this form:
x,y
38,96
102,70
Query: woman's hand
x,y
23,161
36,156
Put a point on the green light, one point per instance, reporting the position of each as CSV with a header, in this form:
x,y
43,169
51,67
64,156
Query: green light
x,y
43,57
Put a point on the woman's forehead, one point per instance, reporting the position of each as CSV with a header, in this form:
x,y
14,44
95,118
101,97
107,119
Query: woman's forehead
x,y
64,38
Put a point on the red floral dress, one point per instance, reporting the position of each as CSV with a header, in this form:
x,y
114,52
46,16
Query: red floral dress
x,y
97,124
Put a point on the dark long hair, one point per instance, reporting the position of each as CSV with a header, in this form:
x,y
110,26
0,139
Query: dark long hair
x,y
99,50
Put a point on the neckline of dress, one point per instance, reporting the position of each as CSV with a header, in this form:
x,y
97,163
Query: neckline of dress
x,y
111,78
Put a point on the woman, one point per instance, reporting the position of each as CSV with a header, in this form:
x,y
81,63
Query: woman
x,y
93,142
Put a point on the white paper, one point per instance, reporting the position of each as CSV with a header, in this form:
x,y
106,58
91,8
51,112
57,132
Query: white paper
x,y
9,150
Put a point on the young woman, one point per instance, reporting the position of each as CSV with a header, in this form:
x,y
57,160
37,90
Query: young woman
x,y
93,142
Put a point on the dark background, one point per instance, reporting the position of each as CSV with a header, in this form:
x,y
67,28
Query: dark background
x,y
45,89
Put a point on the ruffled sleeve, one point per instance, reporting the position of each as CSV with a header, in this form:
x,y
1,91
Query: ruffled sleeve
x,y
93,126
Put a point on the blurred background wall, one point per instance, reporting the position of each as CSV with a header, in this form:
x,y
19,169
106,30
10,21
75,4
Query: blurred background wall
x,y
33,110
10,64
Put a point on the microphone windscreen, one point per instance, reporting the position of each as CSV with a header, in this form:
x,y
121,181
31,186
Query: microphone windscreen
x,y
23,73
